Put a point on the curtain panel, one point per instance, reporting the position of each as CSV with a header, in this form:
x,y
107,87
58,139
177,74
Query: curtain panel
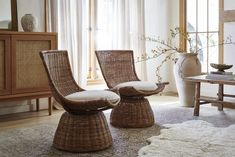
x,y
68,18
120,24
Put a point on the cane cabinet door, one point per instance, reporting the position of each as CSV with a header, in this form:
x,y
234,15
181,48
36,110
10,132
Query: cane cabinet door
x,y
28,73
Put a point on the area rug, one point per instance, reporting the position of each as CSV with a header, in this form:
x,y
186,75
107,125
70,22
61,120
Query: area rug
x,y
36,141
194,138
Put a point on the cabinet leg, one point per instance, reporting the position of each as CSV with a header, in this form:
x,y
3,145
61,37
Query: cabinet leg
x,y
37,105
196,100
50,107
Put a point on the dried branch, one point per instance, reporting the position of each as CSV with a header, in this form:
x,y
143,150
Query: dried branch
x,y
169,48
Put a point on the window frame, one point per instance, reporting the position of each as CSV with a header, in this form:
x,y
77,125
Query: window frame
x,y
92,75
183,27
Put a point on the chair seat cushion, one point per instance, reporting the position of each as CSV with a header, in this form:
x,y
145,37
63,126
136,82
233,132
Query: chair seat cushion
x,y
93,95
138,85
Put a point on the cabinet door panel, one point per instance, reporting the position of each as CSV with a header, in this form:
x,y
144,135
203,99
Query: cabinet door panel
x,y
29,74
2,65
5,72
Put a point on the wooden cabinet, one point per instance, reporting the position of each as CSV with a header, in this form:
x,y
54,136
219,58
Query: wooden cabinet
x,y
22,75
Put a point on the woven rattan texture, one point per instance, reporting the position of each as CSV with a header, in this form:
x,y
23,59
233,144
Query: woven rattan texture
x,y
117,66
79,133
60,72
2,79
131,113
29,64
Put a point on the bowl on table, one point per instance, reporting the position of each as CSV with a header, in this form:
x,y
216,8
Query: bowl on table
x,y
221,67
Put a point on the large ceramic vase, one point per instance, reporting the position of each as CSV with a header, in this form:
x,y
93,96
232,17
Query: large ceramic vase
x,y
187,64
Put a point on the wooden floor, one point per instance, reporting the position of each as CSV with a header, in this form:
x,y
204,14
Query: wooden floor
x,y
27,118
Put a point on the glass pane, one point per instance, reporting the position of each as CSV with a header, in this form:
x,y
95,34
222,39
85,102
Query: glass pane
x,y
193,44
202,15
229,5
202,50
103,36
191,15
103,24
5,14
213,15
87,15
213,50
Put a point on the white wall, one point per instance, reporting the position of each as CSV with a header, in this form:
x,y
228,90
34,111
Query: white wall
x,y
229,51
160,17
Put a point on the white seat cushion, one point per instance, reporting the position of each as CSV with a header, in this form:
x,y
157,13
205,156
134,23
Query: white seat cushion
x,y
92,95
138,85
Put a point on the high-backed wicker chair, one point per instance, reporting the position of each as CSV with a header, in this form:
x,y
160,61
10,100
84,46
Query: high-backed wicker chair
x,y
83,127
118,69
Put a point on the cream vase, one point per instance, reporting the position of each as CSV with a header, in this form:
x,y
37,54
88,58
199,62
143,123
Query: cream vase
x,y
29,23
186,65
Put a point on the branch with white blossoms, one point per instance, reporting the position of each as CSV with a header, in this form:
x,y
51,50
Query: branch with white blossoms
x,y
168,48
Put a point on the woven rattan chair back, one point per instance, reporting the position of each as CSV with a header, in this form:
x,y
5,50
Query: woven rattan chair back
x,y
117,66
59,72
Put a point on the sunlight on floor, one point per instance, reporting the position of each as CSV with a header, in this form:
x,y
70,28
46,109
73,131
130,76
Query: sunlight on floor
x,y
96,87
163,100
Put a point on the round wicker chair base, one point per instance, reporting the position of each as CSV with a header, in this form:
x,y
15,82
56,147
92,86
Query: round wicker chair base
x,y
132,113
82,133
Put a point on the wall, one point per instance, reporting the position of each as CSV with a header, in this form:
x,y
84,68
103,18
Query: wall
x,y
229,54
160,16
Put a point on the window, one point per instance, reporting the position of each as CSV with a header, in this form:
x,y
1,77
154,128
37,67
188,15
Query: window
x,y
99,36
200,19
114,24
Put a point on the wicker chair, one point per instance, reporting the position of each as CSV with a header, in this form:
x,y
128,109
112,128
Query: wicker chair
x,y
118,70
83,127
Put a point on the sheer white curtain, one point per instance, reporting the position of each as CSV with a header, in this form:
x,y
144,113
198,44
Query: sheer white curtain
x,y
120,25
68,18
